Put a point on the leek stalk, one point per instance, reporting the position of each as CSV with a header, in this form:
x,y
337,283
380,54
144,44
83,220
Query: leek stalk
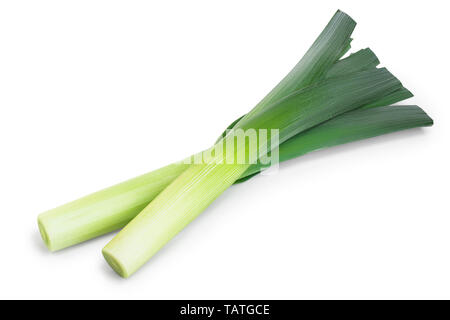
x,y
112,208
192,192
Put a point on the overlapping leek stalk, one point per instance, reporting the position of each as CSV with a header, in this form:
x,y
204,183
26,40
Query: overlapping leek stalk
x,y
189,194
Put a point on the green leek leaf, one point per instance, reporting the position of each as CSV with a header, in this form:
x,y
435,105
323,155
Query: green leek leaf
x,y
351,126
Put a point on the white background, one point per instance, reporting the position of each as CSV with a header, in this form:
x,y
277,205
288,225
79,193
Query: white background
x,y
95,92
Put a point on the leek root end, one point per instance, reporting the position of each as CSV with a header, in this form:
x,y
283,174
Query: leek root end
x,y
114,263
44,234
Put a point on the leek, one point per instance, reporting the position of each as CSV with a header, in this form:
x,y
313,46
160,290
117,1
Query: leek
x,y
112,208
189,194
